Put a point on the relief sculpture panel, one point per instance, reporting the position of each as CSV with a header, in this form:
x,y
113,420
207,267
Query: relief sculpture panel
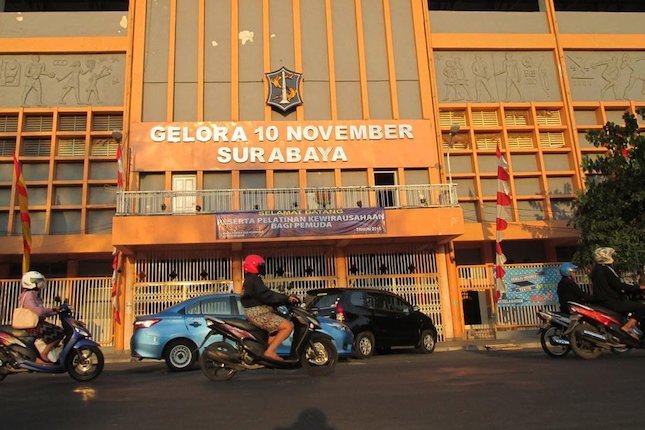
x,y
496,76
61,80
606,75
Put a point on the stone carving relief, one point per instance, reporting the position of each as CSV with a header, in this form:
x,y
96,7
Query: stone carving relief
x,y
606,75
487,76
61,80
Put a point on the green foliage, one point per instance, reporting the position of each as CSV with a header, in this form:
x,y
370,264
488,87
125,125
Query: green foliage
x,y
612,211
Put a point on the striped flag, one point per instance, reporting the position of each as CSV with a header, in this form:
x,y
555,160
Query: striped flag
x,y
503,213
25,220
119,173
116,264
116,255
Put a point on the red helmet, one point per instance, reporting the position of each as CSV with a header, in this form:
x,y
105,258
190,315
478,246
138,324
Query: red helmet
x,y
253,264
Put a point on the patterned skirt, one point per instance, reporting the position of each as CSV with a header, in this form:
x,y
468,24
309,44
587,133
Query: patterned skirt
x,y
48,332
264,317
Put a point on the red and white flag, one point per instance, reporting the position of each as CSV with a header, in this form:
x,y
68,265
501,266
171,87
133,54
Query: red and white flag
x,y
116,255
116,268
119,173
25,219
503,213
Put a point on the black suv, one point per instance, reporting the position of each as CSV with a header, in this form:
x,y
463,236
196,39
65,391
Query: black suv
x,y
378,319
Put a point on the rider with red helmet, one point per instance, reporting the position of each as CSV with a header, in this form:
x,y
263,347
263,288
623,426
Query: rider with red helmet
x,y
259,302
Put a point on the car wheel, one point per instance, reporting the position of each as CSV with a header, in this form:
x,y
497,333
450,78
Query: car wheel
x,y
427,342
364,345
180,355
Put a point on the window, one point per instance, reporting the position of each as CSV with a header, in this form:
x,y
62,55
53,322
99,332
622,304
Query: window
x,y
63,5
600,5
483,5
216,306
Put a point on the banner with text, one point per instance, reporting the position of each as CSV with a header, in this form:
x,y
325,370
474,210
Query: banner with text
x,y
528,286
298,223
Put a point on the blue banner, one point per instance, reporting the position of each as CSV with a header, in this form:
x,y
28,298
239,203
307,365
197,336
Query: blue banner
x,y
300,222
528,286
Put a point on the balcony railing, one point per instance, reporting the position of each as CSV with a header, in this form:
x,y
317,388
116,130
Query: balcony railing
x,y
215,201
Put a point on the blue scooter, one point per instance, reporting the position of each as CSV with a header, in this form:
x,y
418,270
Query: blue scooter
x,y
80,356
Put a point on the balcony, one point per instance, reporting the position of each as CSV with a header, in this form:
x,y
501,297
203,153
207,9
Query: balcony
x,y
137,203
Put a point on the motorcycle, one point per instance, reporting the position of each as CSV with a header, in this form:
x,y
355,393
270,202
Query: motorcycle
x,y
594,329
244,345
552,333
80,356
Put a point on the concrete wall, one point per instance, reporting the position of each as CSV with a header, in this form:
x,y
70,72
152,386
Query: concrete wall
x,y
601,22
488,22
63,24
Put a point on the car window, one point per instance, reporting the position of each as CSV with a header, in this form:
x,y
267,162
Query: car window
x,y
215,306
359,298
389,303
324,300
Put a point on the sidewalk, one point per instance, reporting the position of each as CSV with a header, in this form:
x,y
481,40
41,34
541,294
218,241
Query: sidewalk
x,y
113,355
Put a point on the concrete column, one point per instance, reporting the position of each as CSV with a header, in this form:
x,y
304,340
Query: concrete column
x,y
123,331
341,267
451,311
236,267
72,268
5,270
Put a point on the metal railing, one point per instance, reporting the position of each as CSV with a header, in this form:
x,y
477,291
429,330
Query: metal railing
x,y
240,200
90,298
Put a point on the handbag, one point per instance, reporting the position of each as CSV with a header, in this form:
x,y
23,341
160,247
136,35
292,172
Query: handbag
x,y
24,318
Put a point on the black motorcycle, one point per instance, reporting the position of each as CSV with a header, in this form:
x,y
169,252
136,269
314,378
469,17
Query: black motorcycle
x,y
80,356
244,345
552,333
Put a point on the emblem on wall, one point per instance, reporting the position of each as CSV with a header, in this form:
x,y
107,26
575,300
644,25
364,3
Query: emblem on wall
x,y
284,89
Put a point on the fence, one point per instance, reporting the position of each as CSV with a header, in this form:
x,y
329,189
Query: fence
x,y
215,201
90,299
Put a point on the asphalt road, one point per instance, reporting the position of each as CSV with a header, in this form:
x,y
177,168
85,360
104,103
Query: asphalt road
x,y
446,390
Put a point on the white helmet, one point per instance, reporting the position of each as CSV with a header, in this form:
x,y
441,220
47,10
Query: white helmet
x,y
604,255
32,280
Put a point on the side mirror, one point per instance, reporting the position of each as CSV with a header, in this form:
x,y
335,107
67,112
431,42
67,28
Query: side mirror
x,y
416,308
57,299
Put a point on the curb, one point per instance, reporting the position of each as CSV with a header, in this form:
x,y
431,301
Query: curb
x,y
123,356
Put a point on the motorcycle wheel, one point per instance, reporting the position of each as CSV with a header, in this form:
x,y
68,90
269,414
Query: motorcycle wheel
x,y
552,349
320,357
2,376
213,369
85,363
582,347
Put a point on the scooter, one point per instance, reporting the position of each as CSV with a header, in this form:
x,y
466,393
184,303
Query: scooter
x,y
552,338
594,329
244,345
80,356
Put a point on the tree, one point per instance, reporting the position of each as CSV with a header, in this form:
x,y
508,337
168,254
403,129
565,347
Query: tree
x,y
612,210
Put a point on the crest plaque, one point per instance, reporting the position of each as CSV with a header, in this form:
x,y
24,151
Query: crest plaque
x,y
284,89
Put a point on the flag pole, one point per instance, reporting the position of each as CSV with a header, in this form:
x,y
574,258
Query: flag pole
x,y
501,224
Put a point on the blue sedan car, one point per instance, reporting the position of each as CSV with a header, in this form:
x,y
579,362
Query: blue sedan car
x,y
174,334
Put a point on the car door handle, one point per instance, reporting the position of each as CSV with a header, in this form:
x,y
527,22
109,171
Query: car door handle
x,y
195,324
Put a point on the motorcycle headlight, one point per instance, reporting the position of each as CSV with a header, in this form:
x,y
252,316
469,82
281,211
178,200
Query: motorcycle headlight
x,y
82,330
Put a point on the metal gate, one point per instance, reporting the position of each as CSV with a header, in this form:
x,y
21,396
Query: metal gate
x,y
90,298
299,270
163,280
412,274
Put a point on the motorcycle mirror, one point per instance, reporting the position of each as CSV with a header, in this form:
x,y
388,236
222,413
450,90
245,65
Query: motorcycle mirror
x,y
57,299
290,286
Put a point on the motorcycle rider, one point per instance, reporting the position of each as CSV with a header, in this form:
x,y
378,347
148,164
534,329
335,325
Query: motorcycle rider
x,y
610,292
32,283
568,289
259,302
